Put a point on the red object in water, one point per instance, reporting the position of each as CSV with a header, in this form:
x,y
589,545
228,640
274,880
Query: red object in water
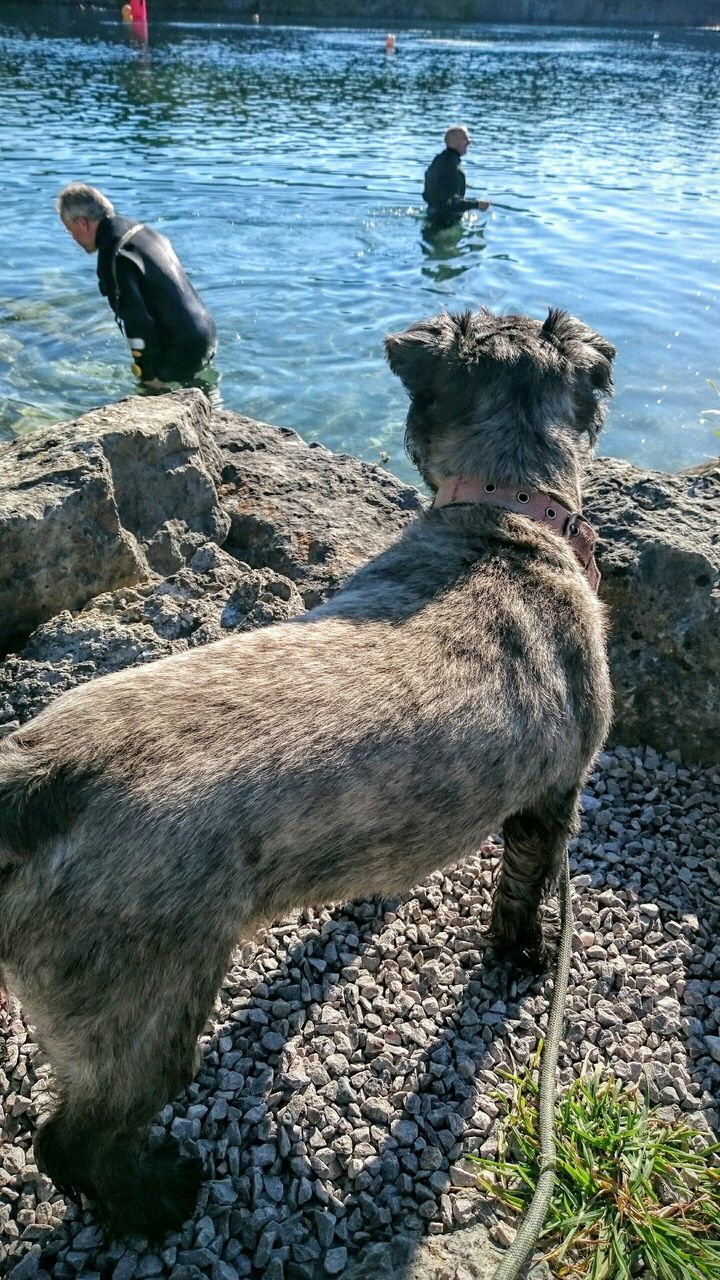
x,y
140,31
138,10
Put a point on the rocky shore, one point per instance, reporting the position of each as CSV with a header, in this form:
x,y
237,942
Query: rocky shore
x,y
354,1053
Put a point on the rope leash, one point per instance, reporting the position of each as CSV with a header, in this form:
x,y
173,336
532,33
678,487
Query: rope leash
x,y
531,1225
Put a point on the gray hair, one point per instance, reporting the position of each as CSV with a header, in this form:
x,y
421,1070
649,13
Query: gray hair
x,y
78,200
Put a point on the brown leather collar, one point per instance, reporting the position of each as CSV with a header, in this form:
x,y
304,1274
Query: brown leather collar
x,y
527,502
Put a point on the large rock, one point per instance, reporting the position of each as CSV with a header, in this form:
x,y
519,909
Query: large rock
x,y
465,1254
315,516
101,502
302,510
300,520
660,557
203,601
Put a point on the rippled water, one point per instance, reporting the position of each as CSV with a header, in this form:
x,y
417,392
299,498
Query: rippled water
x,y
286,165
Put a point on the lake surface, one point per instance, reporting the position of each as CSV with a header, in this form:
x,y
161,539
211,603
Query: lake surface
x,y
286,165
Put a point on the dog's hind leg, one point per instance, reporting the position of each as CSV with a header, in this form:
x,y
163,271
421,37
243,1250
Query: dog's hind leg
x,y
535,841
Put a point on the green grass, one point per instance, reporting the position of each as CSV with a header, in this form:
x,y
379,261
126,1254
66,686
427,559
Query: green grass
x,y
634,1196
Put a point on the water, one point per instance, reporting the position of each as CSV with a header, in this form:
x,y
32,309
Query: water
x,y
286,165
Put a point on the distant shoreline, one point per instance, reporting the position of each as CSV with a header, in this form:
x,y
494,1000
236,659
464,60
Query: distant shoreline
x,y
596,13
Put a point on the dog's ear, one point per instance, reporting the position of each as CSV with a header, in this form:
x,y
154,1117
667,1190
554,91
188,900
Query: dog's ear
x,y
416,355
590,357
582,347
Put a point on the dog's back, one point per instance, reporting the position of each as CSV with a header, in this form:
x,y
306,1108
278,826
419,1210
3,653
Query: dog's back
x,y
394,707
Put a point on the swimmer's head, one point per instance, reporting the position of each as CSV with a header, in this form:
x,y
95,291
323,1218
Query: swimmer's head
x,y
457,139
82,209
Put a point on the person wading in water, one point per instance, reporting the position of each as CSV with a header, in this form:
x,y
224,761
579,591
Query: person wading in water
x,y
444,190
168,328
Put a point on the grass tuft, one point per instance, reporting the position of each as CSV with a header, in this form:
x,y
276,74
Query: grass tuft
x,y
635,1195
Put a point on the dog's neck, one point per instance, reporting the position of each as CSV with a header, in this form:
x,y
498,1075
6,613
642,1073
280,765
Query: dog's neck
x,y
570,525
551,458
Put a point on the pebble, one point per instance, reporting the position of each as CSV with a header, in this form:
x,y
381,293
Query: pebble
x,y
355,1052
335,1261
713,1046
126,1266
28,1267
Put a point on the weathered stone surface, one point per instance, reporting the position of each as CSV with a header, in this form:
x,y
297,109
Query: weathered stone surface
x,y
203,601
468,1254
310,514
660,557
61,540
98,503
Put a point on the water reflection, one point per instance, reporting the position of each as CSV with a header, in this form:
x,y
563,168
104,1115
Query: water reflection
x,y
207,380
445,245
140,33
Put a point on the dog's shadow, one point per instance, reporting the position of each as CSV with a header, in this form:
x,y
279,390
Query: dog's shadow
x,y
350,1068
376,1083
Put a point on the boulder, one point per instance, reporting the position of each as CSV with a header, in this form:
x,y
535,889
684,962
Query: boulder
x,y
310,514
659,552
298,520
203,601
101,502
465,1254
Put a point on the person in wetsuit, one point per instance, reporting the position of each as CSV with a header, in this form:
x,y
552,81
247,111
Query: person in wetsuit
x,y
444,190
168,328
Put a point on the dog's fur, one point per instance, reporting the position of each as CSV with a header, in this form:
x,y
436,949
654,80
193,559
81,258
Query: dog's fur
x,y
456,686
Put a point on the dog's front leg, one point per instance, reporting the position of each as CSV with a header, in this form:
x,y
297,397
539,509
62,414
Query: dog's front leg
x,y
535,841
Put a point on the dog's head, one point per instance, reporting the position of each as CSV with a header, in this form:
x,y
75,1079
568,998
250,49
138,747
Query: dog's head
x,y
506,396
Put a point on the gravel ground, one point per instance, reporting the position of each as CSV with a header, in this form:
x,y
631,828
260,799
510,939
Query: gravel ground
x,y
354,1052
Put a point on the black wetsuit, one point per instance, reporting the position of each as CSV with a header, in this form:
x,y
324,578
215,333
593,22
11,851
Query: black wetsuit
x,y
444,190
153,300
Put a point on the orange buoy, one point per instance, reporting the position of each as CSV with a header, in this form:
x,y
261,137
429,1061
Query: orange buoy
x,y
126,13
390,43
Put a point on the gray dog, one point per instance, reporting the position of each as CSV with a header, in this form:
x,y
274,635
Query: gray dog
x,y
456,686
